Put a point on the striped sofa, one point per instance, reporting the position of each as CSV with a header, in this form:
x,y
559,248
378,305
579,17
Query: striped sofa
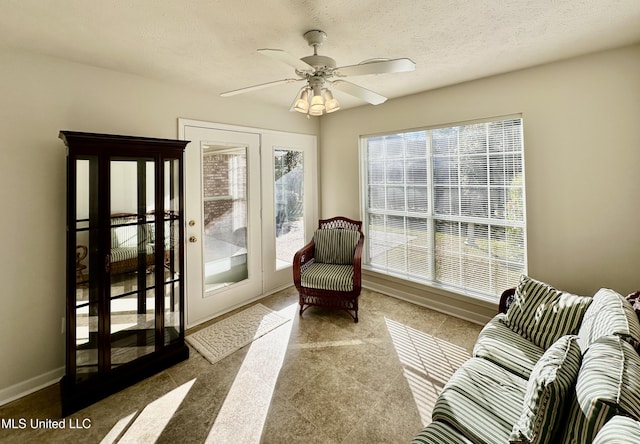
x,y
133,243
552,367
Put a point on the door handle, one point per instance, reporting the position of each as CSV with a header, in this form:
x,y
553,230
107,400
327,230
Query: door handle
x,y
193,239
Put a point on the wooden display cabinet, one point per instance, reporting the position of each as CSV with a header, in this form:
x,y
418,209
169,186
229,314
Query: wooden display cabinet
x,y
125,272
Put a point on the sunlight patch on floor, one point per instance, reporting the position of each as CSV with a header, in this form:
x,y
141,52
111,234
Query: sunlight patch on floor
x,y
117,429
149,424
244,412
429,362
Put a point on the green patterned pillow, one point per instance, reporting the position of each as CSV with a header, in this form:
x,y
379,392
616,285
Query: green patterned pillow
x,y
609,314
608,384
619,430
335,246
548,391
542,314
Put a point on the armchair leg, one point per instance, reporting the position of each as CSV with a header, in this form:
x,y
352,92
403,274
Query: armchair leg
x,y
348,305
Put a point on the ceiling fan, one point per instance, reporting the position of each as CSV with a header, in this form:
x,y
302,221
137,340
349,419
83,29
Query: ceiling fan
x,y
319,72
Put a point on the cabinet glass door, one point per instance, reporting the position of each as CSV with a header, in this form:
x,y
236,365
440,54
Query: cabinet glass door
x,y
87,271
172,235
132,257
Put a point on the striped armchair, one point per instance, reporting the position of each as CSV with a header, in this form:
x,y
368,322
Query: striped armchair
x,y
327,271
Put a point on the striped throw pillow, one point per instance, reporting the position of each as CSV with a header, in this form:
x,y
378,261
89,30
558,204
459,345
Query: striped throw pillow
x,y
608,384
609,314
548,391
335,246
619,430
543,314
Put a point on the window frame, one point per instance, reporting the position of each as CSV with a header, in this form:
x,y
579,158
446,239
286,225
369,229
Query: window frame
x,y
431,215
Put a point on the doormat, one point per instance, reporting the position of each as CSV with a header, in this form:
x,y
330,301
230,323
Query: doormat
x,y
230,334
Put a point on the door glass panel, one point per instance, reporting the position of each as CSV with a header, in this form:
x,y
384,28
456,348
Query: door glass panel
x,y
224,191
171,256
87,259
132,259
289,204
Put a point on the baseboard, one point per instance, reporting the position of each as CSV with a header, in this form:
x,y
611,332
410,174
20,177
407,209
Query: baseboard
x,y
29,386
469,309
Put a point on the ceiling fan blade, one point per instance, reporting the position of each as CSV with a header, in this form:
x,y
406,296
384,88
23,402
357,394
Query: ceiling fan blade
x,y
258,87
376,67
285,57
359,92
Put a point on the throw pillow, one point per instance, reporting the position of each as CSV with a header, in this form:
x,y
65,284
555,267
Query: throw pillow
x,y
609,314
619,429
608,384
549,387
335,246
543,314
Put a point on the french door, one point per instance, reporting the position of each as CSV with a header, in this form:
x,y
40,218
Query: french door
x,y
250,203
289,202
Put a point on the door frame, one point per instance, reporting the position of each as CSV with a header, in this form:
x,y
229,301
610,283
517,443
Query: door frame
x,y
280,279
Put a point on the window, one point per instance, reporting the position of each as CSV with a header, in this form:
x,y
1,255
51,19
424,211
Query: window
x,y
445,206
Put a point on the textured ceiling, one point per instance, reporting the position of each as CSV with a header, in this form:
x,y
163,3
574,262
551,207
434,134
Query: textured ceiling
x,y
211,44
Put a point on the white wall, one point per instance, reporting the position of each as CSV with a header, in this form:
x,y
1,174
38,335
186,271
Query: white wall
x,y
39,96
582,150
582,155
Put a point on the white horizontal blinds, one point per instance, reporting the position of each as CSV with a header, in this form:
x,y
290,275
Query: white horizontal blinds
x,y
398,204
447,205
478,205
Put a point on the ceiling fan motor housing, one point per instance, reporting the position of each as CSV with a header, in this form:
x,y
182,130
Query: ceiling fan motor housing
x,y
320,62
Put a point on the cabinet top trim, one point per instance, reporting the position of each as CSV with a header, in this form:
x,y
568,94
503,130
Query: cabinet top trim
x,y
70,136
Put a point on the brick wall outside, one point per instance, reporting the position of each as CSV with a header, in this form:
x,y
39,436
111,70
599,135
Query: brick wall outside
x,y
215,177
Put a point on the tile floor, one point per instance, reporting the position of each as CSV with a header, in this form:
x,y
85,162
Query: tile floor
x,y
319,379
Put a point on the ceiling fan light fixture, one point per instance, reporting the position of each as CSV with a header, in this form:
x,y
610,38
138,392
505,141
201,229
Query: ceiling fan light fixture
x,y
317,103
302,104
330,104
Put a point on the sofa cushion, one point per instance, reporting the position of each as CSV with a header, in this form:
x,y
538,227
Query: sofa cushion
x,y
608,384
550,385
543,314
440,433
609,314
128,253
328,277
482,401
618,430
506,348
335,246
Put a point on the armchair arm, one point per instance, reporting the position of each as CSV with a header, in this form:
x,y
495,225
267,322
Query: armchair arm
x,y
506,298
302,257
357,263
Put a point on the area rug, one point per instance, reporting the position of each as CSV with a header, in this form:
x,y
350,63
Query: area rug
x,y
230,334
